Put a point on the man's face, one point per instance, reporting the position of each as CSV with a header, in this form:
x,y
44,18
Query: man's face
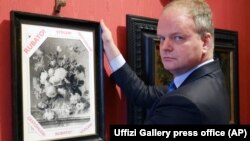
x,y
181,48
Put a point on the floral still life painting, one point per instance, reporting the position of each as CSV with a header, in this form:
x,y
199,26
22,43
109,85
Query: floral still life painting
x,y
59,89
57,69
59,83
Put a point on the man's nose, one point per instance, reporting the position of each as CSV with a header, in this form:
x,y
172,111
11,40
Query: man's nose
x,y
167,44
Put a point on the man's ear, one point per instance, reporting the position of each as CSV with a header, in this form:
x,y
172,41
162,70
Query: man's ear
x,y
207,41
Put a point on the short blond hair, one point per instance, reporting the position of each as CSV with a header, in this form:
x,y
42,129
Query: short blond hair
x,y
201,13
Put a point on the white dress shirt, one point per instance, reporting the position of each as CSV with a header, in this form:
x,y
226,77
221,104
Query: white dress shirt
x,y
178,80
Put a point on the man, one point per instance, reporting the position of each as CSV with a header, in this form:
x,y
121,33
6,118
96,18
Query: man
x,y
186,33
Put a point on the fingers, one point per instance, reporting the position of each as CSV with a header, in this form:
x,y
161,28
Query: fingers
x,y
105,29
103,26
110,48
106,33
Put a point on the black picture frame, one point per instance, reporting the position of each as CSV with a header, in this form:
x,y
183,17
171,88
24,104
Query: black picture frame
x,y
143,44
226,50
57,72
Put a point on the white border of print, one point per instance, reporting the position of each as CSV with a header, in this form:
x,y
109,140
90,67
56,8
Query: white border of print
x,y
36,35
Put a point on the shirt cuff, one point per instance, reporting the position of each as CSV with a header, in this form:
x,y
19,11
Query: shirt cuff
x,y
117,63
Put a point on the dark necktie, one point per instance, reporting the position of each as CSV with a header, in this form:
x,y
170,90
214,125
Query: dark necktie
x,y
171,87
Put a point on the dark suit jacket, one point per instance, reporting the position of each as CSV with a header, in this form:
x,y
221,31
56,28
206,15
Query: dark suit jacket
x,y
201,99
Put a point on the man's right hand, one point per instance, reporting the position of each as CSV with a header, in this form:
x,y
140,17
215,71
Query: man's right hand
x,y
110,48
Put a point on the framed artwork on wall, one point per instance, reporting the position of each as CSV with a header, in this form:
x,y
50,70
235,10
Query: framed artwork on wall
x,y
226,50
144,59
156,75
57,67
139,30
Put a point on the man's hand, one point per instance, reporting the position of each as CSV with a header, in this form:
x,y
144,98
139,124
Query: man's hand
x,y
110,48
106,34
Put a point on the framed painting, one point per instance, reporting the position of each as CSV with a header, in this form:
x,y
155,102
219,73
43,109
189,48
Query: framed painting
x,y
156,75
226,50
57,67
144,59
139,30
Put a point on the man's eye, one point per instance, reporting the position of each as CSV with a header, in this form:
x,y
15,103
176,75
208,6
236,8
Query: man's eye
x,y
178,38
162,39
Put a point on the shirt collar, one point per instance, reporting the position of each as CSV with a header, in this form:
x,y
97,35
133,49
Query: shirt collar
x,y
178,80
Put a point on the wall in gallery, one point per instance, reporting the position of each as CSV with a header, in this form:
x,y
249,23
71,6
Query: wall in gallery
x,y
228,14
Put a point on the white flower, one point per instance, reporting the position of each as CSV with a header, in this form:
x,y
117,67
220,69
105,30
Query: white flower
x,y
80,76
59,75
53,80
50,91
74,99
46,83
66,110
80,106
58,49
41,105
62,91
49,114
53,63
51,72
43,77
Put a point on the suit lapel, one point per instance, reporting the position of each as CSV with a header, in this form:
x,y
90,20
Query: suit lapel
x,y
204,70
